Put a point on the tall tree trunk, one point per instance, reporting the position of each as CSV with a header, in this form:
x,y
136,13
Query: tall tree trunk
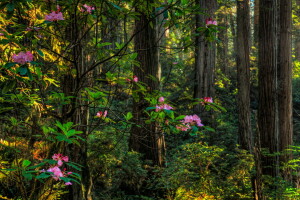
x,y
256,22
222,53
77,112
204,56
243,74
267,110
297,36
145,138
285,81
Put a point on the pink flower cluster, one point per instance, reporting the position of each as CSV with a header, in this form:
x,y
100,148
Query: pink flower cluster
x,y
57,172
22,57
210,21
134,79
207,100
87,8
60,158
162,106
54,15
101,114
188,121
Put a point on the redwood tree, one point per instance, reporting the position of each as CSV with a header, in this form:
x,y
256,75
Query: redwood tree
x,y
145,138
267,63
205,54
285,80
243,73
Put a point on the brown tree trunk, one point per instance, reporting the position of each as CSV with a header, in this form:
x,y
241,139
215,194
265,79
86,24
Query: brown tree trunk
x,y
256,22
267,110
204,56
77,112
297,35
222,53
145,138
243,74
285,81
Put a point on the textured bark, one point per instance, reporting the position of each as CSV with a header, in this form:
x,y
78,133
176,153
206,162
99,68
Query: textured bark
x,y
243,73
285,81
297,34
256,21
205,54
145,138
267,111
222,53
77,112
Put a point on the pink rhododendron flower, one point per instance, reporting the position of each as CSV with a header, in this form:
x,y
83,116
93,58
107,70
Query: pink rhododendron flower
x,y
68,183
183,127
175,63
22,57
60,158
163,107
57,173
1,34
161,99
210,21
54,15
135,79
192,119
101,114
87,8
207,100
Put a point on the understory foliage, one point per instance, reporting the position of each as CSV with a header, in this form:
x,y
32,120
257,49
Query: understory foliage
x,y
66,94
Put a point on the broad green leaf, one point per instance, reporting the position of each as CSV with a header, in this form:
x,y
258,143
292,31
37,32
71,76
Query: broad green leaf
x,y
40,53
22,70
73,165
43,176
128,116
9,65
26,163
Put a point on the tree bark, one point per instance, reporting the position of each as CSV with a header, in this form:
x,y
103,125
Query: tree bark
x,y
285,81
205,54
267,110
297,34
243,74
145,138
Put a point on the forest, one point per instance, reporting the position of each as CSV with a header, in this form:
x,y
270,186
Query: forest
x,y
149,99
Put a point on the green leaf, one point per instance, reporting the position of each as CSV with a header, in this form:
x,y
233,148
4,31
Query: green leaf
x,y
128,116
150,108
27,175
209,128
103,44
116,6
43,176
26,163
10,7
73,165
40,53
9,65
23,70
184,2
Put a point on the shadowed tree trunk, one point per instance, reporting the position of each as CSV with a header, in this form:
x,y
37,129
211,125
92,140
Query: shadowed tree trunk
x,y
243,73
285,81
145,138
267,110
205,53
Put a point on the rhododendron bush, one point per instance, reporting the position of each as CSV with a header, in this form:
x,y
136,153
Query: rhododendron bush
x,y
67,93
